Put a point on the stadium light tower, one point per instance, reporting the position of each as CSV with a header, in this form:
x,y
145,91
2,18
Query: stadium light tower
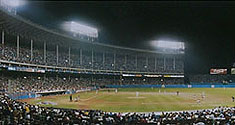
x,y
168,45
80,29
11,5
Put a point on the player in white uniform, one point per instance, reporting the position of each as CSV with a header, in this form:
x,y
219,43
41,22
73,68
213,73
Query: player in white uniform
x,y
137,94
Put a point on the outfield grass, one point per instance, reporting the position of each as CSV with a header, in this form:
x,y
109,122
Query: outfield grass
x,y
149,99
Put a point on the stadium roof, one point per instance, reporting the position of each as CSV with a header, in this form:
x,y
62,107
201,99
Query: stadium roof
x,y
20,26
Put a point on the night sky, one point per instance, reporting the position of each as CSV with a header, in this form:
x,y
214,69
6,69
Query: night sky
x,y
207,28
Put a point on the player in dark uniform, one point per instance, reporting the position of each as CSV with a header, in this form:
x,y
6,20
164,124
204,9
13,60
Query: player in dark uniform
x,y
178,92
233,98
71,98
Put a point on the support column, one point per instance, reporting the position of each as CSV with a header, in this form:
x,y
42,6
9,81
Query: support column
x,y
114,59
45,50
174,63
44,78
80,56
125,59
92,79
69,55
146,61
18,47
69,78
103,58
31,59
155,63
164,64
136,61
15,12
3,42
120,79
92,58
57,54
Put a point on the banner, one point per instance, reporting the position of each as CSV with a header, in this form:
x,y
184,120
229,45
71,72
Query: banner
x,y
11,68
24,69
177,76
174,76
218,71
233,71
138,75
128,75
153,75
41,71
167,75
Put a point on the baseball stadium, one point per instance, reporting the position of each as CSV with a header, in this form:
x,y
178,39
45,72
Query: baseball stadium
x,y
71,76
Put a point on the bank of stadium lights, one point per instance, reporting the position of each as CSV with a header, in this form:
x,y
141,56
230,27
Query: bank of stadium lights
x,y
12,3
168,45
80,29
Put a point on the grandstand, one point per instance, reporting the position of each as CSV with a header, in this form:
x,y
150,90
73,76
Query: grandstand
x,y
28,47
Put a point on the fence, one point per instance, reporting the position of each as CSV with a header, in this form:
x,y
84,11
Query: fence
x,y
174,86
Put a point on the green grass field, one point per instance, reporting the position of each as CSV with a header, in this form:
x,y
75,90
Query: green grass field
x,y
149,99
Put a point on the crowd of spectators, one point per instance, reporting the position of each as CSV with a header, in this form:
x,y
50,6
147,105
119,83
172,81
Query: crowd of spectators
x,y
39,84
14,112
100,61
22,83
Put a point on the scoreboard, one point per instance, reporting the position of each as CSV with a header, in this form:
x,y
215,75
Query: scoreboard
x,y
218,71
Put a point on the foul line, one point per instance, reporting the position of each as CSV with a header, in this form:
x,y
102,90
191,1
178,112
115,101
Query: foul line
x,y
88,98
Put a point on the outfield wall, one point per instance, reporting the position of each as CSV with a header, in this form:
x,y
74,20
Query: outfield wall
x,y
232,85
174,86
27,95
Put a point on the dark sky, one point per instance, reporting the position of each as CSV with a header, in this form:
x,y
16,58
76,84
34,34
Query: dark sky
x,y
207,28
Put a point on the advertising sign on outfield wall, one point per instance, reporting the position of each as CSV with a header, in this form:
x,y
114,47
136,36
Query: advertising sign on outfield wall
x,y
218,71
212,86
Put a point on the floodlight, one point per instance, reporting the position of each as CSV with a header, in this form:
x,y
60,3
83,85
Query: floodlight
x,y
12,3
168,44
81,29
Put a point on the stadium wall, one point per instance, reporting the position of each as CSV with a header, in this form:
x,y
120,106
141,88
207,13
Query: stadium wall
x,y
28,95
173,86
